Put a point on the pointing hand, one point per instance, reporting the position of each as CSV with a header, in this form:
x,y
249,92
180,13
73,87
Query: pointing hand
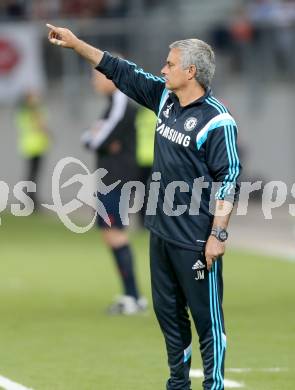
x,y
62,37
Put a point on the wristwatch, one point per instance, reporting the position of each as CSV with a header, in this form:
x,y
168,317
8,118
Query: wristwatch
x,y
220,233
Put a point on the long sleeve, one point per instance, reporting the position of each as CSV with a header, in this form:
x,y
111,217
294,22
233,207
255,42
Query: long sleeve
x,y
145,88
223,160
109,124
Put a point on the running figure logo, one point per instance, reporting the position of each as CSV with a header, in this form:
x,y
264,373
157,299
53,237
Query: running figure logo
x,y
87,194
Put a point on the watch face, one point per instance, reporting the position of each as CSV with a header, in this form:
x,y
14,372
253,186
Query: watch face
x,y
223,235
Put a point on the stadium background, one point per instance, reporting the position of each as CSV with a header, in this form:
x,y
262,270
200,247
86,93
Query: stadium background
x,y
55,284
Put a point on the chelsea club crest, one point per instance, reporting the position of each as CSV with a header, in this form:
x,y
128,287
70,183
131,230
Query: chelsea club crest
x,y
190,123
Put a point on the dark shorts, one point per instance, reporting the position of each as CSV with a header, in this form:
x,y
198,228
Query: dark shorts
x,y
111,203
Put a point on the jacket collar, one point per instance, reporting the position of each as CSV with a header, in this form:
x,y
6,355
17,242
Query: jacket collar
x,y
201,99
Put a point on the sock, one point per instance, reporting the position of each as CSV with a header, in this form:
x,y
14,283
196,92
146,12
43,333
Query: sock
x,y
124,261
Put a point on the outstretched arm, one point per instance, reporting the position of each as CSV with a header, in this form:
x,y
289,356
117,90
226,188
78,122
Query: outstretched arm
x,y
64,37
145,88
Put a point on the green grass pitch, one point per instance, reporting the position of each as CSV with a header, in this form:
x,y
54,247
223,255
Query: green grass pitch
x,y
54,334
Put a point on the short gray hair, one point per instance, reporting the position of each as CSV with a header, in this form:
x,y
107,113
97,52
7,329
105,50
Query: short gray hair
x,y
198,53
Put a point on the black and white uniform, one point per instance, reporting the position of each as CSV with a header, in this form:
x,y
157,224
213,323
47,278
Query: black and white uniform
x,y
116,126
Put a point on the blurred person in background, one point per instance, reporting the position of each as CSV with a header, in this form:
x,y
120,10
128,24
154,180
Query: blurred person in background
x,y
195,138
33,138
145,123
83,8
13,9
274,33
241,33
42,9
112,138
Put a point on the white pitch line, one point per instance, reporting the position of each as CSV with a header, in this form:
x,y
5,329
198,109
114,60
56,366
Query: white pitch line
x,y
8,384
229,384
243,370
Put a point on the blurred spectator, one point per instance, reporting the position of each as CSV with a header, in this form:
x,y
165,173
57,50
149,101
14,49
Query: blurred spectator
x,y
241,33
112,138
43,9
285,36
116,8
274,26
34,138
259,33
145,124
83,8
13,9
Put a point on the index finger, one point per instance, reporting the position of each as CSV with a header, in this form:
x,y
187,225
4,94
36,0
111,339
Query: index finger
x,y
51,26
209,262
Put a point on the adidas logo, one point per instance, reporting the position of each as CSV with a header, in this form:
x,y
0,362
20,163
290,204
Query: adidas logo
x,y
198,265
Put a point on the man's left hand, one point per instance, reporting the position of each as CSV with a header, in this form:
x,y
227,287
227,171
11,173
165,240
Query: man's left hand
x,y
214,249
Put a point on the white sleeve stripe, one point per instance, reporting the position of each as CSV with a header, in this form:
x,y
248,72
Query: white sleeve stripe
x,y
217,121
116,114
163,100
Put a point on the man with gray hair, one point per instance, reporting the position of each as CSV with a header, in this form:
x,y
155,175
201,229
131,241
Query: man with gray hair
x,y
195,146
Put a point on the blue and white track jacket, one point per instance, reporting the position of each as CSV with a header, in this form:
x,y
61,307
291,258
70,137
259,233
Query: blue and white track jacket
x,y
195,146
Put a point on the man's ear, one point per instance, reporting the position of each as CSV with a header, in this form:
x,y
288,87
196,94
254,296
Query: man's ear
x,y
192,72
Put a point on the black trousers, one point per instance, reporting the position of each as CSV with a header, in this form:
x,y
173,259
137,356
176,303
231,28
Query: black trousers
x,y
33,172
180,281
144,175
